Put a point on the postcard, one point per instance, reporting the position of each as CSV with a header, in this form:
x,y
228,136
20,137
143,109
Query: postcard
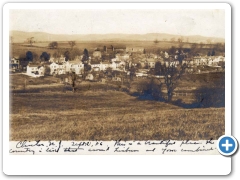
x,y
117,85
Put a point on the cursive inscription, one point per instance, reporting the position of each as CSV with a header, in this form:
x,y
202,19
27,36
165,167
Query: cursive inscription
x,y
161,147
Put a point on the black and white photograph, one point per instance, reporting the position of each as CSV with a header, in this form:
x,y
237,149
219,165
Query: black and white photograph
x,y
125,76
101,84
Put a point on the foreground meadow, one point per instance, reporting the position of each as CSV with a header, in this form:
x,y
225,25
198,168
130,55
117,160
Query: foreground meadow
x,y
108,115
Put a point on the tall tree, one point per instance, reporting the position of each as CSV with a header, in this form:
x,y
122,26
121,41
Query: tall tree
x,y
45,56
172,50
29,56
67,55
75,53
132,72
172,75
213,53
158,68
74,78
85,56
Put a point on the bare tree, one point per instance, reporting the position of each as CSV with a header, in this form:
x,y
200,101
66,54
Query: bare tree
x,y
156,41
180,42
173,39
72,44
172,73
30,40
209,41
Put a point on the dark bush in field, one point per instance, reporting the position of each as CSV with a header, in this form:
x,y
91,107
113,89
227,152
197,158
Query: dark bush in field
x,y
211,97
150,89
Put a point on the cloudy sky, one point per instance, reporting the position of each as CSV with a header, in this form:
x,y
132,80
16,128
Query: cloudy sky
x,y
180,22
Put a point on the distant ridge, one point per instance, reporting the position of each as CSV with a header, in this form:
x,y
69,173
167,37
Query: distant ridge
x,y
21,36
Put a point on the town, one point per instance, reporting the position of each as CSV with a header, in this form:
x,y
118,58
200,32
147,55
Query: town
x,y
103,75
107,60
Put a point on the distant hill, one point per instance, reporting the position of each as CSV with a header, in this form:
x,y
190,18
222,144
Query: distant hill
x,y
20,36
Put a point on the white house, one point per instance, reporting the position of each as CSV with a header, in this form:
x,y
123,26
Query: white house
x,y
151,63
135,49
54,68
61,68
14,64
68,66
78,68
102,66
97,54
124,57
35,70
172,63
188,62
118,65
62,59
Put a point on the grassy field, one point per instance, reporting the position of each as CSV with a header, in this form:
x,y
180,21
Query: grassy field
x,y
107,116
19,48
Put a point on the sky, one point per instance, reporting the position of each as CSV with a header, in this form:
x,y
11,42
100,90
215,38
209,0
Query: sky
x,y
207,22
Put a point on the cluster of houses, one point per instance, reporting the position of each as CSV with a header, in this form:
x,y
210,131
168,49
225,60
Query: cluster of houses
x,y
123,60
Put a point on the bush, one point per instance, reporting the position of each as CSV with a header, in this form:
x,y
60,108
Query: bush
x,y
211,97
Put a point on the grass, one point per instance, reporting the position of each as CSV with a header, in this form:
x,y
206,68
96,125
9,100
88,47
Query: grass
x,y
108,116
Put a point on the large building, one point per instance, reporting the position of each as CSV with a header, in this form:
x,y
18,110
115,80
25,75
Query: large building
x,y
35,70
135,49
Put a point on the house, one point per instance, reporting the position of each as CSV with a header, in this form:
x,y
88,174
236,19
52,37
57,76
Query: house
x,y
96,66
35,70
52,59
118,65
89,77
214,60
62,59
166,55
172,63
97,54
121,56
78,68
54,68
105,65
102,66
61,68
135,49
68,66
188,62
14,64
200,60
151,63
